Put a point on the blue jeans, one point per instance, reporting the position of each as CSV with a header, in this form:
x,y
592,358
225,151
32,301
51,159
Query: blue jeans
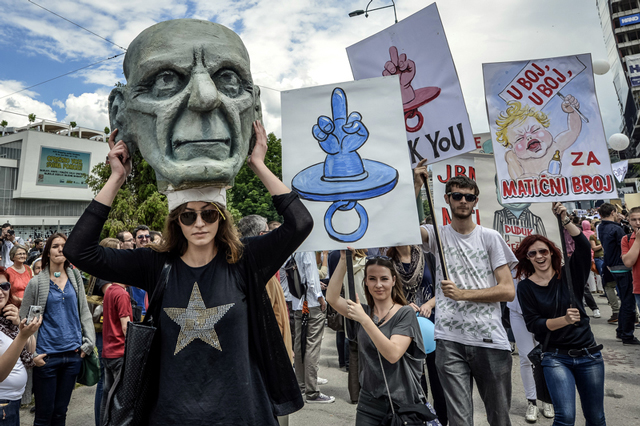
x,y
98,398
564,374
459,366
10,412
627,315
53,384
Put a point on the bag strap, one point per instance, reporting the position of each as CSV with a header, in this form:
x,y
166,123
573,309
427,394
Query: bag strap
x,y
385,382
555,310
158,293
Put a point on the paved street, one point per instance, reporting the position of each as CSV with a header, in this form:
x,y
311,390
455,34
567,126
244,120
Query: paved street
x,y
622,388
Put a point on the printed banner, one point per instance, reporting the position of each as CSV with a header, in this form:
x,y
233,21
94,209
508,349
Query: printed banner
x,y
513,221
340,154
60,167
620,169
633,66
416,49
546,129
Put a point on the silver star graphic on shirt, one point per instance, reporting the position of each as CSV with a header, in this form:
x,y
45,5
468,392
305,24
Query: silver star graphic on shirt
x,y
197,321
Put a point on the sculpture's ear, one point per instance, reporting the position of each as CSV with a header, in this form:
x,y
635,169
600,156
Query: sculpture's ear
x,y
117,117
257,114
257,104
116,106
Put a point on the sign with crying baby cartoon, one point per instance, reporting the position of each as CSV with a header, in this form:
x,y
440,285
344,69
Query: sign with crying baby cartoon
x,y
548,139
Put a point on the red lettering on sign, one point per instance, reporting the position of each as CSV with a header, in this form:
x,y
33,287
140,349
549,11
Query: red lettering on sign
x,y
592,159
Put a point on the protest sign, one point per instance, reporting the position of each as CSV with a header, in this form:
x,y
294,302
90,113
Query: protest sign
x,y
416,49
547,134
514,222
340,154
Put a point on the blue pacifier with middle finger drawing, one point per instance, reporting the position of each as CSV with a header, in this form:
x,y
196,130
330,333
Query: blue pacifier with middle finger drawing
x,y
344,178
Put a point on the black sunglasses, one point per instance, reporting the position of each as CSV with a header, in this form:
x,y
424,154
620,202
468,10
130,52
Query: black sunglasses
x,y
208,216
144,237
5,286
457,196
533,253
378,257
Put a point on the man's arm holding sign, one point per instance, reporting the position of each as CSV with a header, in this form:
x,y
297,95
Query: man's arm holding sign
x,y
504,291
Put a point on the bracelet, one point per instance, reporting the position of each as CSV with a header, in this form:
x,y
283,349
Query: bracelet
x,y
566,222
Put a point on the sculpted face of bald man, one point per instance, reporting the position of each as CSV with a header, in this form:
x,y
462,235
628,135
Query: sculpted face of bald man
x,y
189,102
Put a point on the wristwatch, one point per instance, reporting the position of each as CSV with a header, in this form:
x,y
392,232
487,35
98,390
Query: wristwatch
x,y
566,221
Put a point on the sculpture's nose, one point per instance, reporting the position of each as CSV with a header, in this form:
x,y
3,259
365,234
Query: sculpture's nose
x,y
204,94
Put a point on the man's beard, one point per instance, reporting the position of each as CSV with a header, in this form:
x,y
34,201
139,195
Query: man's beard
x,y
455,214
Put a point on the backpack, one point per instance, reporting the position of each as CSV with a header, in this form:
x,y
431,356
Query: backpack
x,y
297,287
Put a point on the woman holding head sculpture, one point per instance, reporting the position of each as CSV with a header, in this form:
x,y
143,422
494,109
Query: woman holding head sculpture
x,y
220,360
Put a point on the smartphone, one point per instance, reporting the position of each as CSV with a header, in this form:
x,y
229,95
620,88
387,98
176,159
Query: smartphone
x,y
34,312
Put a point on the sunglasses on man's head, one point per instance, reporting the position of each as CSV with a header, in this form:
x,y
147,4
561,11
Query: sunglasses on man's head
x,y
457,196
533,253
5,286
208,216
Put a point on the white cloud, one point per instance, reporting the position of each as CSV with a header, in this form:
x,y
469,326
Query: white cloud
x,y
16,107
88,110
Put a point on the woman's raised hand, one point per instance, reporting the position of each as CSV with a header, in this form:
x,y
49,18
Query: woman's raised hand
x,y
559,210
572,316
27,330
355,311
118,158
11,313
260,148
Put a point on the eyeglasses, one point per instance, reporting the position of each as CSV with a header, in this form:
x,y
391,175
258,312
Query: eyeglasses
x,y
5,286
457,196
378,257
208,216
130,240
533,253
144,237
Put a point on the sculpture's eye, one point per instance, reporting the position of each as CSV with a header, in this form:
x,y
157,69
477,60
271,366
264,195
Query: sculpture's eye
x,y
228,82
167,83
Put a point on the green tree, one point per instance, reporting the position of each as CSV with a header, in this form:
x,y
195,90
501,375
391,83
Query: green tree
x,y
32,118
107,130
248,195
3,124
137,202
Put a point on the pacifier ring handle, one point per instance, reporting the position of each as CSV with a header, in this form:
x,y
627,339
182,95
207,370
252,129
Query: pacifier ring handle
x,y
346,206
409,115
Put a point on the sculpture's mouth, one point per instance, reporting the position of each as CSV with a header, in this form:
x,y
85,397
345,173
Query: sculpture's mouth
x,y
225,141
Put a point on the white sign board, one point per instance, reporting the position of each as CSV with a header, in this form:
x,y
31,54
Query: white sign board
x,y
343,152
633,66
436,120
546,129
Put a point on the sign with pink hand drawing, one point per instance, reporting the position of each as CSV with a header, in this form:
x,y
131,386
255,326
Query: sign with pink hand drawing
x,y
435,114
548,139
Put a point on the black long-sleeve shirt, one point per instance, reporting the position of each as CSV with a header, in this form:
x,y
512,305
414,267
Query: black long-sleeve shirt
x,y
222,358
542,303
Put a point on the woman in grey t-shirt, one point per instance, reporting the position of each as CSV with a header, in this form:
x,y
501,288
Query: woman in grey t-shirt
x,y
388,326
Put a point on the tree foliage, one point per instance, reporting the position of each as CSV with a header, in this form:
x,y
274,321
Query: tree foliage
x,y
137,202
248,195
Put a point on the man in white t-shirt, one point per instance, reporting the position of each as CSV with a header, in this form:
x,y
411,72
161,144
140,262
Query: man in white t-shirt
x,y
472,345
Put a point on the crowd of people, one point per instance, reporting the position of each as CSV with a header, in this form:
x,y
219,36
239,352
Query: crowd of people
x,y
215,313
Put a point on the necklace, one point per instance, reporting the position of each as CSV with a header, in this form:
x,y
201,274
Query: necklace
x,y
384,318
56,274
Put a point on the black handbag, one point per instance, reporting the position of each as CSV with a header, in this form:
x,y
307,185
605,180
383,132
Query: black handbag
x,y
406,414
535,356
135,389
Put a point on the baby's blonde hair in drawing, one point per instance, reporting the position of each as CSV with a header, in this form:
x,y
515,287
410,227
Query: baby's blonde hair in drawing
x,y
516,113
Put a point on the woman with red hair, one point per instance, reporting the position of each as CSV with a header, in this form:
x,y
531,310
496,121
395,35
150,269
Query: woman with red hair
x,y
553,311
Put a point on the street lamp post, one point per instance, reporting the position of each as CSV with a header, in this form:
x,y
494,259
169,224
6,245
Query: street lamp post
x,y
367,10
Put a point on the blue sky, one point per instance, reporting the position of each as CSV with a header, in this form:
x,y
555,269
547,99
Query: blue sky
x,y
292,44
